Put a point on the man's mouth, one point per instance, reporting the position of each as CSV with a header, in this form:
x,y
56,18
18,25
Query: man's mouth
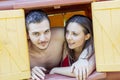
x,y
43,43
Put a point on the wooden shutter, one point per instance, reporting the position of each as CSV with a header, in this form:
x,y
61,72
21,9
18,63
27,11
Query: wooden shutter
x,y
14,60
106,25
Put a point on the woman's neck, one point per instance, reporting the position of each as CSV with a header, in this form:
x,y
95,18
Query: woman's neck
x,y
78,51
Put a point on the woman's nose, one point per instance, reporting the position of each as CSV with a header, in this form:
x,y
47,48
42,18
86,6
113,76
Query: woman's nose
x,y
69,37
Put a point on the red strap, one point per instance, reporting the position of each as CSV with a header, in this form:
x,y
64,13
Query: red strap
x,y
65,62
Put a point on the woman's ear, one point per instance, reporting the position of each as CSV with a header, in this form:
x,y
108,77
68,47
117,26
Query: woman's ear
x,y
87,36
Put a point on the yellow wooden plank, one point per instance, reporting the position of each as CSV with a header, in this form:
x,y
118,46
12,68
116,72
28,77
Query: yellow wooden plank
x,y
13,46
23,41
14,58
5,61
106,5
116,27
11,14
17,76
106,28
97,39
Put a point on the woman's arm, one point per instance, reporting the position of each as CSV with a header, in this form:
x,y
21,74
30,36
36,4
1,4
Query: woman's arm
x,y
63,71
78,69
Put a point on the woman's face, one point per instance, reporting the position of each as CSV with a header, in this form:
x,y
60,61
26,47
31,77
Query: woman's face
x,y
75,35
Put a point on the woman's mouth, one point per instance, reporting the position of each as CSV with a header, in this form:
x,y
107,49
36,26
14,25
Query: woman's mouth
x,y
70,44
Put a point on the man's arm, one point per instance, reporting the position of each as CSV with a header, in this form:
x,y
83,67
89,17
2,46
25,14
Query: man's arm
x,y
37,73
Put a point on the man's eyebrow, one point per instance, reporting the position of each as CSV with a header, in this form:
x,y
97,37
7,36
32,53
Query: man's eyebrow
x,y
47,29
34,31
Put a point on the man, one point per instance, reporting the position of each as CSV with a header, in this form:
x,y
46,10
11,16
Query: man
x,y
44,47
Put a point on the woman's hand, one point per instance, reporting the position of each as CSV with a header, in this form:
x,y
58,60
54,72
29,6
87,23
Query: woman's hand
x,y
80,68
37,73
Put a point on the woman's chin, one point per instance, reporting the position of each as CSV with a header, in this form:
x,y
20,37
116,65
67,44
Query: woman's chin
x,y
71,47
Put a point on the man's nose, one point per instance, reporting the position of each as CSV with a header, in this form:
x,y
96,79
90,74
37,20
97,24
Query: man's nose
x,y
42,37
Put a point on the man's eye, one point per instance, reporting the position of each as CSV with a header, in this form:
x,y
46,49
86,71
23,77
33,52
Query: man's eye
x,y
47,31
36,34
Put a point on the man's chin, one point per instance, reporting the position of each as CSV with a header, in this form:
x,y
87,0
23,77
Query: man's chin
x,y
43,47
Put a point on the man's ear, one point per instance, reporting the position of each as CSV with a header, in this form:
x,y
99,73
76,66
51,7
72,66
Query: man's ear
x,y
28,36
87,36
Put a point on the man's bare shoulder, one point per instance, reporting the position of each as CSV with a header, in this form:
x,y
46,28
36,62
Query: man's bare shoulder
x,y
57,33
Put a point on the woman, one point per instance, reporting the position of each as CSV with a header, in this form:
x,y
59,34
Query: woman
x,y
79,49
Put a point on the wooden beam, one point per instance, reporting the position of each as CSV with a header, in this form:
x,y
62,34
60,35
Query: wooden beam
x,y
28,4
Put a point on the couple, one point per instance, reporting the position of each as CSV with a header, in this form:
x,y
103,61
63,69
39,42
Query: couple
x,y
67,51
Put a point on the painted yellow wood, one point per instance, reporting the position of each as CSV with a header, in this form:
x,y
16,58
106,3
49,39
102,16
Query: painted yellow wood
x,y
14,57
106,27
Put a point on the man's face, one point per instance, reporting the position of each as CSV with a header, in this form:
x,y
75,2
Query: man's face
x,y
40,34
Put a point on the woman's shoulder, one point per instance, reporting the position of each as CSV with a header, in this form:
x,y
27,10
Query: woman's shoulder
x,y
87,52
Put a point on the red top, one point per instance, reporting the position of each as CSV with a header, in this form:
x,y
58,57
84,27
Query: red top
x,y
65,62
